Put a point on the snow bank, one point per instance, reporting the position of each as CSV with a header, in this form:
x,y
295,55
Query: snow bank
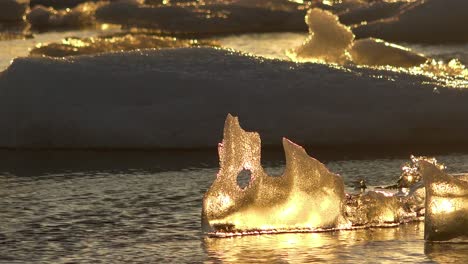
x,y
428,21
13,10
177,98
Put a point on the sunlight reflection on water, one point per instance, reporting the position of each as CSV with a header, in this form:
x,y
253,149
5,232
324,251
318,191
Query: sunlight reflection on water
x,y
145,207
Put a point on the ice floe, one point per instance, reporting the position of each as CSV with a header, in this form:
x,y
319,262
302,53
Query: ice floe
x,y
148,98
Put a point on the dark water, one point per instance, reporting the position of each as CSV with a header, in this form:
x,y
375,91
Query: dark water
x,y
129,207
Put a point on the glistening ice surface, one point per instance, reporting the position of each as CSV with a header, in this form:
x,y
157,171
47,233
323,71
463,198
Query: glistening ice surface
x,y
86,207
306,197
446,205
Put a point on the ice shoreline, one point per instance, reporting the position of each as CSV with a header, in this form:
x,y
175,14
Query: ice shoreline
x,y
89,102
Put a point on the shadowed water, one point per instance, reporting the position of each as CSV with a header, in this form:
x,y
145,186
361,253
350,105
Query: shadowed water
x,y
130,207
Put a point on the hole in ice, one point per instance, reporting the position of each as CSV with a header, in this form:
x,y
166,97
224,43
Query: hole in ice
x,y
274,163
243,178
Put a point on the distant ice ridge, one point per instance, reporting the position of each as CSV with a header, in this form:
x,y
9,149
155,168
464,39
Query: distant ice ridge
x,y
175,98
310,198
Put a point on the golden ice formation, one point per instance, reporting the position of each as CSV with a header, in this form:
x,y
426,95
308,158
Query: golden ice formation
x,y
307,197
446,215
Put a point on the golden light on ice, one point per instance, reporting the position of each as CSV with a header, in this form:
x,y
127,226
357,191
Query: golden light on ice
x,y
442,206
307,197
446,205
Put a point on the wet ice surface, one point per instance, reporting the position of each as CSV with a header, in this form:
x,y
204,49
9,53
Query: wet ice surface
x,y
126,207
305,197
11,49
446,215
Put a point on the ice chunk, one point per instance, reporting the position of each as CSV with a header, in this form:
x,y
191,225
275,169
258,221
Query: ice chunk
x,y
13,10
331,41
375,52
307,197
243,199
446,214
328,39
375,209
411,171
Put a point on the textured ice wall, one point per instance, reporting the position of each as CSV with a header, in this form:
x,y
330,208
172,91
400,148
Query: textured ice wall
x,y
176,98
306,197
446,205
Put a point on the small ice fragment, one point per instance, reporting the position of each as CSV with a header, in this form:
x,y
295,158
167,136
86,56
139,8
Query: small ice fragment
x,y
446,215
